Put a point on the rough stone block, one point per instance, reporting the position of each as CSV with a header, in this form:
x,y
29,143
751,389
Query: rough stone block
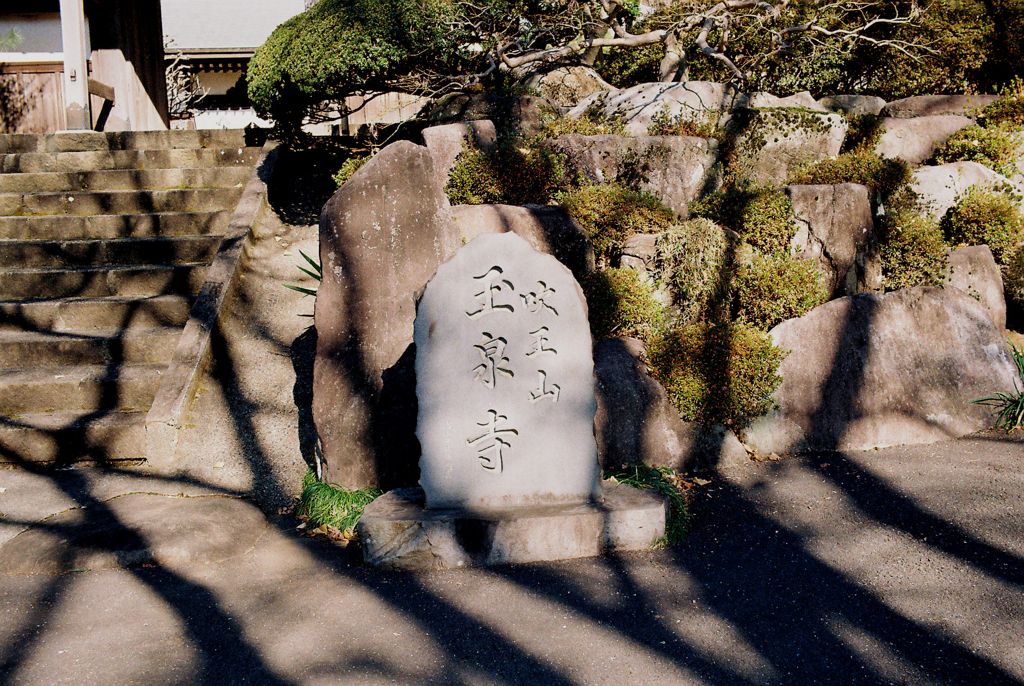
x,y
447,141
547,228
939,187
974,271
871,371
853,104
398,532
915,140
770,143
835,227
675,169
931,105
382,236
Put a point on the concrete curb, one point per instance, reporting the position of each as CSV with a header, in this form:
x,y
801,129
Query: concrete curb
x,y
173,399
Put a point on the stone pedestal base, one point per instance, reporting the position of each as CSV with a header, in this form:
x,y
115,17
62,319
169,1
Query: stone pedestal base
x,y
397,531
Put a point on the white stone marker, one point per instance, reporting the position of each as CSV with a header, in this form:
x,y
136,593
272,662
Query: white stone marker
x,y
505,381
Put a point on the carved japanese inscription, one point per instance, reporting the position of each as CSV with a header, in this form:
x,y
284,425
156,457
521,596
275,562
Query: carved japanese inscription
x,y
504,380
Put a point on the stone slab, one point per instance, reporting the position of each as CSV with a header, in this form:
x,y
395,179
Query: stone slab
x,y
398,532
504,380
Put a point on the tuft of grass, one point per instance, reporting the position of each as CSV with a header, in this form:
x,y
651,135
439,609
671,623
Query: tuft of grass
x,y
762,216
322,504
350,167
776,288
667,483
994,146
983,217
687,122
912,250
1009,406
511,173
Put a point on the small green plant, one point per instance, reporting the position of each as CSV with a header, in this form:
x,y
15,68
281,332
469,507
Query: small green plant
x,y
322,504
1009,111
994,146
863,134
912,250
886,176
511,173
718,373
696,261
687,122
985,217
622,303
763,217
1013,277
611,213
776,288
665,482
1009,406
350,167
316,273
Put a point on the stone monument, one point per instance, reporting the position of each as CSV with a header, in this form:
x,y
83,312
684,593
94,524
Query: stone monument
x,y
506,393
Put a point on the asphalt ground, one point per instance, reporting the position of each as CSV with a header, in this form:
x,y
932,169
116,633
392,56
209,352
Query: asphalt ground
x,y
897,566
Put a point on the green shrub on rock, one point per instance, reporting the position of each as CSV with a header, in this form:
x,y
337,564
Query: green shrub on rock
x,y
622,303
686,123
511,173
1008,112
719,373
995,146
696,262
912,251
611,213
861,166
763,217
985,217
776,288
1013,277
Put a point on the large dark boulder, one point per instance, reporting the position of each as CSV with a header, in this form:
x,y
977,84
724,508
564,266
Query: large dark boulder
x,y
382,236
636,422
871,371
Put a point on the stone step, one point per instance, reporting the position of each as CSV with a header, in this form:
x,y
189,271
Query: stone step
x,y
97,252
117,280
104,347
124,179
69,226
129,387
121,140
94,160
89,315
118,202
58,438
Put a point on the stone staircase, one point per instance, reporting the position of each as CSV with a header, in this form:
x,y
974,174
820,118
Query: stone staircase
x,y
105,240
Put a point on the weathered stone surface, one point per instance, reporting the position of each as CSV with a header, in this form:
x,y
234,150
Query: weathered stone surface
x,y
636,422
675,169
939,187
835,226
511,114
872,370
974,271
447,141
761,100
853,104
547,228
505,381
139,529
638,105
567,85
929,105
640,252
915,140
398,532
769,144
382,236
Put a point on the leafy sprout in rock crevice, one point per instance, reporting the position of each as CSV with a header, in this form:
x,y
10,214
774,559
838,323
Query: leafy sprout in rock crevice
x,y
316,273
